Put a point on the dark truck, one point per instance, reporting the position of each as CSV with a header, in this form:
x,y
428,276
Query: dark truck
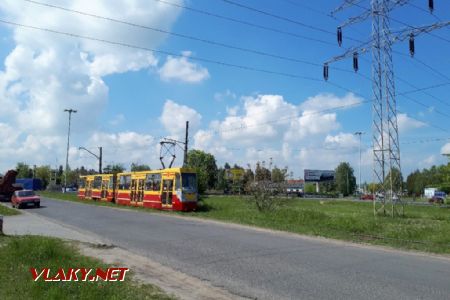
x,y
7,186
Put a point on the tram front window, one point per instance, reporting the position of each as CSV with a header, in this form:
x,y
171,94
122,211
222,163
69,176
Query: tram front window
x,y
189,182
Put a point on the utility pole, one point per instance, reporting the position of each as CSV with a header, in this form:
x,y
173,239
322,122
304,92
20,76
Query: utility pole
x,y
186,145
359,133
70,111
386,147
98,157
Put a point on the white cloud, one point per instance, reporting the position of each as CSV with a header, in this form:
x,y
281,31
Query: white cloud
x,y
326,101
181,69
174,117
118,119
445,149
265,126
219,97
118,148
406,123
46,73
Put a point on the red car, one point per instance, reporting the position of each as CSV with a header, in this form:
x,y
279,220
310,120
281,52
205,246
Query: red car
x,y
25,198
367,197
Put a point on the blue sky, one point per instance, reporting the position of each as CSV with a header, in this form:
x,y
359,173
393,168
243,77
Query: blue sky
x,y
128,99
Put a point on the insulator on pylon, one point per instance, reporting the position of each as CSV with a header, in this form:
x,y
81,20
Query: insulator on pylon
x,y
355,61
339,36
411,45
325,71
431,5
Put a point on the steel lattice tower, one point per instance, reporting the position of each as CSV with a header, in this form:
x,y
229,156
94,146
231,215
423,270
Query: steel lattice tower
x,y
385,137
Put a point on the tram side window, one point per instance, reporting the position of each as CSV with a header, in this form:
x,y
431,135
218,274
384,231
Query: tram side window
x,y
82,183
153,182
124,182
97,183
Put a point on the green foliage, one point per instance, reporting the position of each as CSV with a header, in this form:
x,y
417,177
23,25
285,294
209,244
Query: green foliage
x,y
135,167
261,172
44,174
23,170
345,220
397,179
19,254
310,188
223,183
279,175
345,180
6,211
436,176
113,169
265,195
206,168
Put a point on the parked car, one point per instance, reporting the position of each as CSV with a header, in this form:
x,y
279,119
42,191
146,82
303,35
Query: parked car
x,y
367,197
25,198
436,199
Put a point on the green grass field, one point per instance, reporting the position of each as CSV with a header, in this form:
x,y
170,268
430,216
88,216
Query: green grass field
x,y
424,228
19,254
6,211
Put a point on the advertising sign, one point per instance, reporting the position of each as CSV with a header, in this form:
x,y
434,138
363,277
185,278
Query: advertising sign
x,y
318,175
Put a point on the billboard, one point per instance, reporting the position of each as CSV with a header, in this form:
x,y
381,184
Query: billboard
x,y
319,175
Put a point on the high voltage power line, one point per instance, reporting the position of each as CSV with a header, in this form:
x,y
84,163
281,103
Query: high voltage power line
x,y
196,58
174,54
246,23
185,36
282,18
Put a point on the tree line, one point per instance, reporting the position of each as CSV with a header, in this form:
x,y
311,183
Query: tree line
x,y
212,177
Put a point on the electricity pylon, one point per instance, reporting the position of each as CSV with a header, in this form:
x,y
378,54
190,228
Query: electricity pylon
x,y
386,149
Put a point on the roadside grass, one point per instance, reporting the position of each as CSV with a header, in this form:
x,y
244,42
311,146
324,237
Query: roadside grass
x,y
423,228
19,254
6,211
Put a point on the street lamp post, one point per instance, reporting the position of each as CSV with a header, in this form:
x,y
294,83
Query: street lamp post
x,y
70,111
359,133
99,157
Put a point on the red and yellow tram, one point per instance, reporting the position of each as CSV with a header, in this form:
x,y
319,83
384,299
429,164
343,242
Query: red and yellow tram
x,y
168,189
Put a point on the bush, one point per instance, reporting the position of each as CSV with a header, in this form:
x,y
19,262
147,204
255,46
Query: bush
x,y
265,194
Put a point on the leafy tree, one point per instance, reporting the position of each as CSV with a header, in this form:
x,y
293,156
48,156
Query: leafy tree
x,y
113,169
279,175
135,167
249,176
397,179
345,180
44,174
262,173
206,168
415,184
23,170
222,180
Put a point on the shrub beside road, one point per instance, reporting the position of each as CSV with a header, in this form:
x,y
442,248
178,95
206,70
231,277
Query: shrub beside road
x,y
423,228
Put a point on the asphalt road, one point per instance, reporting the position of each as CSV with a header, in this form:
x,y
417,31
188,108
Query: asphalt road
x,y
260,264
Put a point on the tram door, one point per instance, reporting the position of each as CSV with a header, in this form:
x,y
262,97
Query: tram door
x,y
104,191
166,196
88,190
140,190
133,190
137,190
